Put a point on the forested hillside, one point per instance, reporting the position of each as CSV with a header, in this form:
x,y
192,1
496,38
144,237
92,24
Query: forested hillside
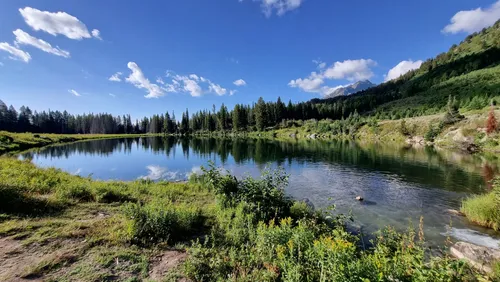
x,y
469,71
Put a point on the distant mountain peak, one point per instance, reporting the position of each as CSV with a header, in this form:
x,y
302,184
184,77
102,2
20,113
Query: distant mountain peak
x,y
351,89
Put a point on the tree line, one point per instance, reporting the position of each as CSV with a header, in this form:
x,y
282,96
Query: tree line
x,y
258,116
418,92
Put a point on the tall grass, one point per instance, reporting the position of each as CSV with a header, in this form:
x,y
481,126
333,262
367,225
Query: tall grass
x,y
484,209
288,241
162,222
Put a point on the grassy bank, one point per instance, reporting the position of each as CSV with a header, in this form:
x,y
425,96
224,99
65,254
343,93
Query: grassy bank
x,y
59,227
422,130
15,142
484,209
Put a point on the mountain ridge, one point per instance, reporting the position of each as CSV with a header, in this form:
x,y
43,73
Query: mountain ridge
x,y
351,88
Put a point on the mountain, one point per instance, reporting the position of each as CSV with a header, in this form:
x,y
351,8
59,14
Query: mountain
x,y
351,89
469,71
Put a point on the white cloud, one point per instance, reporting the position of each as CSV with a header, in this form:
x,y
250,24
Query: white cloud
x,y
23,38
280,7
402,68
217,89
352,70
138,79
72,91
156,172
310,84
192,84
1,64
112,95
240,82
96,34
116,77
55,23
16,54
473,20
232,92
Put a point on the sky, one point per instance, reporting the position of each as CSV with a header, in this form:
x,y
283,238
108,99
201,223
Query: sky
x,y
149,57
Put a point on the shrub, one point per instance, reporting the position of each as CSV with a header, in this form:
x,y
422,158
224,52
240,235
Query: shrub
x,y
491,123
159,222
484,209
433,131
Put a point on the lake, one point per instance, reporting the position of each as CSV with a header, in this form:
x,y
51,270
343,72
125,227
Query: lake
x,y
399,184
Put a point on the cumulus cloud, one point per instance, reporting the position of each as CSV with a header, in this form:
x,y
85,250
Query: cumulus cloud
x,y
240,82
402,68
138,79
15,53
280,7
190,85
473,20
352,70
116,77
232,92
96,34
311,84
72,91
56,23
23,38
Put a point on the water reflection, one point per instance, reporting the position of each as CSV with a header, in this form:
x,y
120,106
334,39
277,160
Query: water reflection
x,y
426,166
399,184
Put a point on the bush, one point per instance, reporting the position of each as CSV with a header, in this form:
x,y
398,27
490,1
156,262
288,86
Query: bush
x,y
159,222
484,209
433,132
265,197
306,251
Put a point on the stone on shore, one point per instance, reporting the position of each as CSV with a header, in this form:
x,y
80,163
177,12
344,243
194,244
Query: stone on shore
x,y
482,258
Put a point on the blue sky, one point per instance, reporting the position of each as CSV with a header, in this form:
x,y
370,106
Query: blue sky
x,y
61,54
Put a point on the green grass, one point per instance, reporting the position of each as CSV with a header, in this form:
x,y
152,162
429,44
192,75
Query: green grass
x,y
232,229
15,142
484,209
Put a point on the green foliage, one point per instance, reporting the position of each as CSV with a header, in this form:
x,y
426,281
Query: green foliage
x,y
484,209
302,251
452,114
265,197
306,247
433,132
161,222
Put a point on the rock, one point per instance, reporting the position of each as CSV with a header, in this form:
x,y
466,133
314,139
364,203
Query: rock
x,y
359,198
454,212
482,258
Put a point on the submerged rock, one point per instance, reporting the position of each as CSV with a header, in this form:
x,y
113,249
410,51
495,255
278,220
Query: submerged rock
x,y
455,212
482,258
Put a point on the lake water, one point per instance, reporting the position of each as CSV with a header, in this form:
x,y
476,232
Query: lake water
x,y
398,184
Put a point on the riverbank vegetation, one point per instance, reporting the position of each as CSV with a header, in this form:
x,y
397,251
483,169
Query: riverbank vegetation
x,y
16,142
57,226
484,209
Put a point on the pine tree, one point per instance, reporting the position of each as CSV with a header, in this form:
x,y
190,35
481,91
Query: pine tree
x,y
260,114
